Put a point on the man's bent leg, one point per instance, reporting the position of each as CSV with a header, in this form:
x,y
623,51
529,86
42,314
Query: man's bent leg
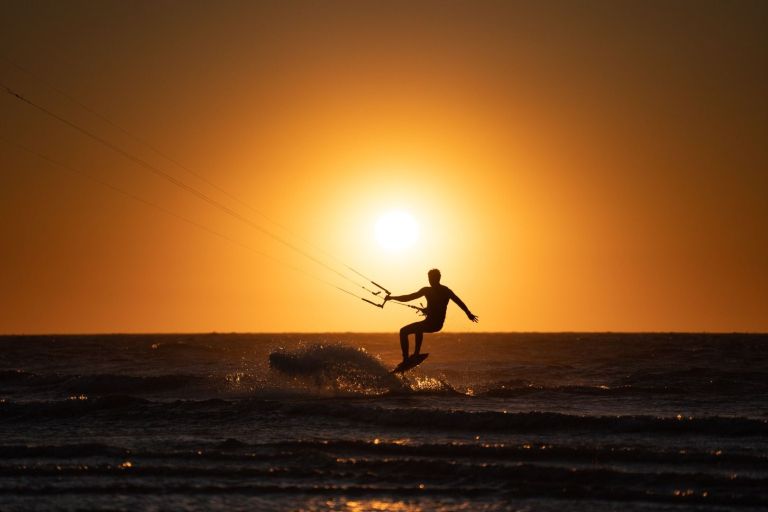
x,y
424,326
419,338
404,343
414,328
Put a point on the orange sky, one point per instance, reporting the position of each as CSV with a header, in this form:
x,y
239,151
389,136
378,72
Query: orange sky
x,y
573,165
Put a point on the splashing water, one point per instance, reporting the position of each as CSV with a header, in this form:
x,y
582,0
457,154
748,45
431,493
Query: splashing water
x,y
336,367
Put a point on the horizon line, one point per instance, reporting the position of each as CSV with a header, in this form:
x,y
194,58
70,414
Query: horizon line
x,y
394,333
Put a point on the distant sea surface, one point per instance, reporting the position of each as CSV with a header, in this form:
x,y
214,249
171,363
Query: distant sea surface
x,y
588,422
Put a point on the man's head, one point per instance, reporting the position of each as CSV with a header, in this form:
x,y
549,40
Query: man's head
x,y
434,277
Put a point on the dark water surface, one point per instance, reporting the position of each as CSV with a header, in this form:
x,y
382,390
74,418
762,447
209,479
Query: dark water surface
x,y
489,422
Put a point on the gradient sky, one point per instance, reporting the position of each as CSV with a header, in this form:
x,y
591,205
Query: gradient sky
x,y
573,165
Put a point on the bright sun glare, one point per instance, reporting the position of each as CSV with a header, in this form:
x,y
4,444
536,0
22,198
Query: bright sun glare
x,y
396,231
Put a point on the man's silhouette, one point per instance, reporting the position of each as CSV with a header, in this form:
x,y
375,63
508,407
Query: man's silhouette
x,y
437,303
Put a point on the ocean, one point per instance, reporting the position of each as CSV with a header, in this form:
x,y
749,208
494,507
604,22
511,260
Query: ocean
x,y
529,422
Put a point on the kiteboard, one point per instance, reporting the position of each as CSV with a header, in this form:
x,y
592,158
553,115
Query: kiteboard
x,y
410,363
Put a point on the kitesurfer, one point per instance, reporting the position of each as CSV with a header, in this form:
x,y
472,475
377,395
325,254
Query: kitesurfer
x,y
437,296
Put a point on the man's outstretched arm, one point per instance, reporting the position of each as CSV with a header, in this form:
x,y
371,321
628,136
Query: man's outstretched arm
x,y
463,307
405,298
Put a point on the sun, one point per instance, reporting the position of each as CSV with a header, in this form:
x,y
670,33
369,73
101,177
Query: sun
x,y
396,231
